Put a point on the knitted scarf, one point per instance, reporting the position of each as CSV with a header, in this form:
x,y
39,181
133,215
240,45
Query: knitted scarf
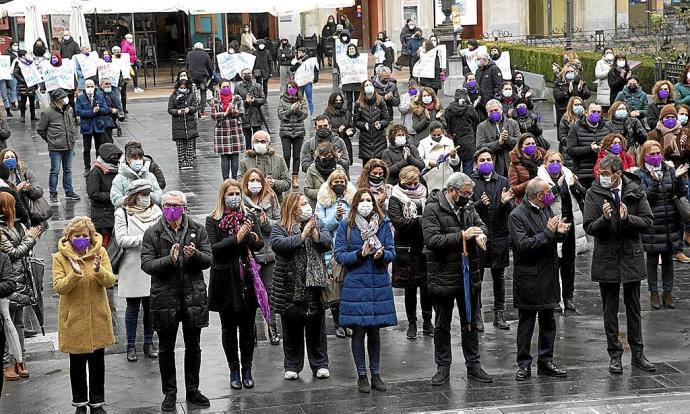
x,y
413,200
368,228
669,141
310,268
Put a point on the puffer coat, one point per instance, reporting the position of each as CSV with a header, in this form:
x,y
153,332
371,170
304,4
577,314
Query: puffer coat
x,y
393,157
579,147
178,289
99,182
665,234
372,142
252,110
183,126
366,298
409,267
292,120
462,123
16,244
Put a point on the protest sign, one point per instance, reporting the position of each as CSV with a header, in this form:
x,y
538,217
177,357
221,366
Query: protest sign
x,y
305,73
425,67
110,71
88,64
341,48
230,64
5,68
353,70
31,74
471,57
503,63
126,65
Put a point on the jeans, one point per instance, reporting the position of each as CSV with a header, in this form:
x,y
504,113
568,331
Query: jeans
x,y
131,318
499,285
411,303
99,139
229,163
192,358
8,89
666,271
200,82
56,159
300,329
308,91
94,394
443,307
547,335
610,297
373,348
292,150
232,322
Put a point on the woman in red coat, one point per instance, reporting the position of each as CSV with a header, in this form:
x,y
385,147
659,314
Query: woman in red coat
x,y
525,159
615,144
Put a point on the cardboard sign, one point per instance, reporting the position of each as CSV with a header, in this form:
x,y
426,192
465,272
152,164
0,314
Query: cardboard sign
x,y
305,72
425,67
88,64
503,63
5,68
31,74
471,57
125,65
110,71
232,64
353,70
60,77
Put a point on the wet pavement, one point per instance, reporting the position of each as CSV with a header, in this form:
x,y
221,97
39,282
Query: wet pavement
x,y
407,365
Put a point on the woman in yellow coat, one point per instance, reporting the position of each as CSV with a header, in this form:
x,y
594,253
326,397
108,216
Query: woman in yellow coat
x,y
81,274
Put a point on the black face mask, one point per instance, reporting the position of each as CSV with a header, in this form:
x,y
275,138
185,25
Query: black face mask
x,y
339,189
495,56
632,88
375,179
323,133
462,201
325,166
247,78
519,82
338,105
436,138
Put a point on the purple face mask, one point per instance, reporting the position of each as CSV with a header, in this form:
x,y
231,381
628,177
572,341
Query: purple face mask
x,y
412,91
495,116
554,168
653,160
663,94
486,168
472,84
549,198
594,117
173,213
670,122
616,149
80,245
291,91
530,150
521,110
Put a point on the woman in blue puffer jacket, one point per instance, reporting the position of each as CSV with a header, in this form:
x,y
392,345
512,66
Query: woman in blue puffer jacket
x,y
364,246
332,206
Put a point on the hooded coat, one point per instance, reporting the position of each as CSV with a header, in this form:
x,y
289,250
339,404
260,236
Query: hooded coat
x,y
313,181
462,120
84,320
263,62
184,126
69,48
489,79
372,142
18,245
99,182
634,101
327,209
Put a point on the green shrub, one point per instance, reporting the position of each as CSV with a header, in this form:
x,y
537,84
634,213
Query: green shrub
x,y
539,60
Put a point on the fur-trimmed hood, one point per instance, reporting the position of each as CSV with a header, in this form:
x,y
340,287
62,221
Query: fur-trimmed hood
x,y
325,198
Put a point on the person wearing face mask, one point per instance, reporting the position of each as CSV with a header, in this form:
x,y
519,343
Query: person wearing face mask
x,y
400,153
525,159
567,85
351,90
635,98
451,227
583,143
328,29
341,121
56,128
99,182
40,54
235,237
127,46
439,155
347,25
24,182
631,128
112,101
521,89
332,206
662,184
175,251
615,144
299,280
258,197
247,40
616,214
426,109
262,65
405,210
682,87
413,44
405,106
325,162
286,53
383,51
364,246
375,177
137,214
253,97
475,96
569,198
386,87
371,117
83,56
305,71
601,73
429,49
8,87
663,94
228,139
535,232
573,112
24,91
68,47
683,113
472,45
183,107
672,136
528,121
81,269
619,75
199,71
406,34
292,111
265,158
500,134
116,53
133,167
488,77
94,114
462,120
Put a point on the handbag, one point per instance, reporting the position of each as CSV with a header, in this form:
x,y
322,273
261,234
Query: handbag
x,y
39,210
338,270
332,292
683,206
115,251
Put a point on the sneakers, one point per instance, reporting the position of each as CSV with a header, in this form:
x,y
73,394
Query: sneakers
x,y
340,332
500,321
72,196
412,330
169,402
291,375
53,198
138,90
273,336
322,373
198,399
151,351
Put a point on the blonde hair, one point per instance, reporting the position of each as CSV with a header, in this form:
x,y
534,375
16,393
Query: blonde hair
x,y
409,174
552,153
79,223
219,210
645,148
289,210
266,192
335,175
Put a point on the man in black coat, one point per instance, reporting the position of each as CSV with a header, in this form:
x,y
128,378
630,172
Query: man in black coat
x,y
175,251
616,213
449,222
253,96
489,78
462,120
493,201
582,144
200,69
534,234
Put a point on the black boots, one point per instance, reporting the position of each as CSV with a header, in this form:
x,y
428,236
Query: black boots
x,y
441,376
412,330
500,320
641,362
132,354
247,380
363,384
9,113
235,381
427,326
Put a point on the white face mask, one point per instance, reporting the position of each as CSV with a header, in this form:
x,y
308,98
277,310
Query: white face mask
x,y
369,90
261,148
90,90
107,89
254,187
606,182
508,93
65,100
306,213
365,208
621,63
609,57
400,140
144,201
426,99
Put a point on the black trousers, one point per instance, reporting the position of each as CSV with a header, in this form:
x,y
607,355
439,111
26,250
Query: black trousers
x,y
411,302
192,357
232,323
566,265
297,329
248,133
443,307
547,335
32,105
99,139
292,151
498,277
610,297
2,346
94,394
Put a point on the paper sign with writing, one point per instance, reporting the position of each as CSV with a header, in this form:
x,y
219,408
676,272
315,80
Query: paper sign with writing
x,y
425,67
305,73
126,65
471,57
341,48
503,63
230,64
353,70
5,68
88,64
31,74
110,71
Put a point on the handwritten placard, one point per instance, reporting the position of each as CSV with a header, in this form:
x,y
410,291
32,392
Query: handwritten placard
x,y
503,63
353,70
58,77
230,64
108,70
426,65
305,73
88,64
5,68
341,48
471,57
31,74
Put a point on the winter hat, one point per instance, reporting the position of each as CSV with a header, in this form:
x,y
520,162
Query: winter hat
x,y
138,186
57,94
668,110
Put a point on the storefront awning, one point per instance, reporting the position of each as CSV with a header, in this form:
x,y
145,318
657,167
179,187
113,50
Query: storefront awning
x,y
44,7
274,7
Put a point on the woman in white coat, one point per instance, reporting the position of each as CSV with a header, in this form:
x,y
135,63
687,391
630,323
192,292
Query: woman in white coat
x,y
439,156
566,198
601,72
137,214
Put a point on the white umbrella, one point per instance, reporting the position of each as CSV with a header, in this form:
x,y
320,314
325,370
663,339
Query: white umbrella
x,y
77,24
33,25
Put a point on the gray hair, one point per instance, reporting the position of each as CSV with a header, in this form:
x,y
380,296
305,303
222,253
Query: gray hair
x,y
611,162
383,68
494,102
534,187
457,180
484,56
176,194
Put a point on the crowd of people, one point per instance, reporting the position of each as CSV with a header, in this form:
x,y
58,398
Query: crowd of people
x,y
445,194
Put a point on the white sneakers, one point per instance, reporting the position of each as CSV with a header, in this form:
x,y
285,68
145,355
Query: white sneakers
x,y
323,373
138,90
292,375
